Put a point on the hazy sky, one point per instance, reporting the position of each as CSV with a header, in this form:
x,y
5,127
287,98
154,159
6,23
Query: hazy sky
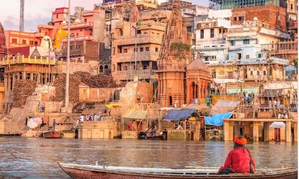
x,y
39,11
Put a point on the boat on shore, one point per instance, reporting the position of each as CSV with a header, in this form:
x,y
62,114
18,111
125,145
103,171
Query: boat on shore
x,y
11,135
77,171
52,135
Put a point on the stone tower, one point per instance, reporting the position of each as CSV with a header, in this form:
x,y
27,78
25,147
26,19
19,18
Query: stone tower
x,y
171,64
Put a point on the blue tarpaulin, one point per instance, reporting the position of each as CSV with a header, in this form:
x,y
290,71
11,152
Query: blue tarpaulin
x,y
179,114
217,119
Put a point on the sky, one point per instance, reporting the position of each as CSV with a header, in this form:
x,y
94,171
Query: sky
x,y
39,11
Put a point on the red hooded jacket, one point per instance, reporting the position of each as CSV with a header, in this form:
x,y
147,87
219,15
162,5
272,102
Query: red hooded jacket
x,y
238,160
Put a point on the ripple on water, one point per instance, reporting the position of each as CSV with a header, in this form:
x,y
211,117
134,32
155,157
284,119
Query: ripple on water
x,y
37,158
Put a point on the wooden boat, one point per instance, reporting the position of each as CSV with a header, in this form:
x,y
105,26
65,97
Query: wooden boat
x,y
95,171
10,135
142,135
53,135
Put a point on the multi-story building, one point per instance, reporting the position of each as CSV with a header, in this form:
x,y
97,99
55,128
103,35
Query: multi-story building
x,y
270,15
292,21
3,49
231,4
135,47
16,39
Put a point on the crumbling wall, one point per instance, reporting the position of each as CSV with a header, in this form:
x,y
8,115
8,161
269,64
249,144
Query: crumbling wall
x,y
96,81
22,89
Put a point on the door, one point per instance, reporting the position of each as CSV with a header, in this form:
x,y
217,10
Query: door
x,y
277,134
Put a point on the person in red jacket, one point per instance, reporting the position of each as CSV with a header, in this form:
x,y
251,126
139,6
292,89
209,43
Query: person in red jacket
x,y
238,160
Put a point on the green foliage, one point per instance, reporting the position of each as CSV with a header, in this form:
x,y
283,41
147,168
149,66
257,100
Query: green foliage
x,y
296,63
180,49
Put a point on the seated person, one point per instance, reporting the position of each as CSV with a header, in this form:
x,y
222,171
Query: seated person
x,y
238,160
179,127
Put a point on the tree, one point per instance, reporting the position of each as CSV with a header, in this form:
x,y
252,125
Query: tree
x,y
180,49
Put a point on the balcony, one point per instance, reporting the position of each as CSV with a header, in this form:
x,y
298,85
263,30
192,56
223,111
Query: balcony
x,y
288,47
140,39
23,60
81,38
140,56
79,26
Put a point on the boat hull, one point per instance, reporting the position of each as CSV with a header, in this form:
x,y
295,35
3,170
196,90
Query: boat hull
x,y
53,135
95,172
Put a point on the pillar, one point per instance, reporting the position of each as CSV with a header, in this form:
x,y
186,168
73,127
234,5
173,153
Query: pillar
x,y
228,130
288,132
266,131
255,131
24,75
295,131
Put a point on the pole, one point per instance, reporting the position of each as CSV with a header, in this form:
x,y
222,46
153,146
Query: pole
x,y
68,57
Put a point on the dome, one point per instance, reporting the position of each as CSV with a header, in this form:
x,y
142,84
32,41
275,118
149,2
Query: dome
x,y
197,64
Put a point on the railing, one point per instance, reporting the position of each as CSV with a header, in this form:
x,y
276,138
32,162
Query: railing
x,y
80,25
23,60
81,38
282,47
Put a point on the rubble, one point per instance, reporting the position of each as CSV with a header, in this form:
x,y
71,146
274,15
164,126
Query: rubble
x,y
22,89
96,81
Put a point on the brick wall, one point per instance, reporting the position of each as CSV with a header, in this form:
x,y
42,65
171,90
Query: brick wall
x,y
268,14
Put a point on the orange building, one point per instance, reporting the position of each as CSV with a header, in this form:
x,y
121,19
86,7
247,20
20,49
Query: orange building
x,y
20,39
2,42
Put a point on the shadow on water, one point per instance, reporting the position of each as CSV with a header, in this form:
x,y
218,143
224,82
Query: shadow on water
x,y
37,158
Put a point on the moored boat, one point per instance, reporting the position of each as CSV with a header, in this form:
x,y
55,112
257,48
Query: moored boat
x,y
77,171
53,134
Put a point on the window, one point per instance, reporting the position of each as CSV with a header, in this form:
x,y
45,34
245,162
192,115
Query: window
x,y
291,6
113,50
212,33
85,20
13,40
259,55
189,29
56,16
233,42
246,41
125,68
141,49
77,34
146,48
135,49
31,42
239,55
125,50
235,18
220,30
241,18
265,73
247,56
258,72
24,42
202,34
138,31
251,73
157,49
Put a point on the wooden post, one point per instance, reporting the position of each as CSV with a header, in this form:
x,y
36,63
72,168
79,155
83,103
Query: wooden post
x,y
288,132
266,131
295,131
255,131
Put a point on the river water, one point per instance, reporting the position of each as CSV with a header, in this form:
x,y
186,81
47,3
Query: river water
x,y
37,157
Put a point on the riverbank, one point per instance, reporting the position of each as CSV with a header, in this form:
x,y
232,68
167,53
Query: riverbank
x,y
37,157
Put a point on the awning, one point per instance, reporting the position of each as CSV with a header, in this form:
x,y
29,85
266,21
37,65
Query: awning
x,y
197,107
217,119
272,93
135,114
34,122
112,105
179,114
224,106
277,125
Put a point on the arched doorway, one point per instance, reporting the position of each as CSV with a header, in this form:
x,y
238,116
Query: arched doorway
x,y
170,100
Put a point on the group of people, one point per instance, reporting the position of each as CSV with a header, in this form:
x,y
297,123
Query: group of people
x,y
93,117
276,103
41,107
151,131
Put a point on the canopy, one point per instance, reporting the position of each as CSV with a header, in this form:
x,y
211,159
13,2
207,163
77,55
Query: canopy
x,y
34,122
224,106
272,93
277,125
197,107
179,114
290,68
135,114
112,105
217,119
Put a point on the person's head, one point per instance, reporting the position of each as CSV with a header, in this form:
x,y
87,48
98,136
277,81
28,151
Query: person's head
x,y
239,141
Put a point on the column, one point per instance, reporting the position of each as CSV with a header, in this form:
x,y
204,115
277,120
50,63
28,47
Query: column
x,y
24,75
288,131
255,131
31,76
266,131
228,130
295,131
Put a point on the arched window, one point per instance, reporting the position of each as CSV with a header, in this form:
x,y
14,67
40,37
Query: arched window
x,y
106,67
101,68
